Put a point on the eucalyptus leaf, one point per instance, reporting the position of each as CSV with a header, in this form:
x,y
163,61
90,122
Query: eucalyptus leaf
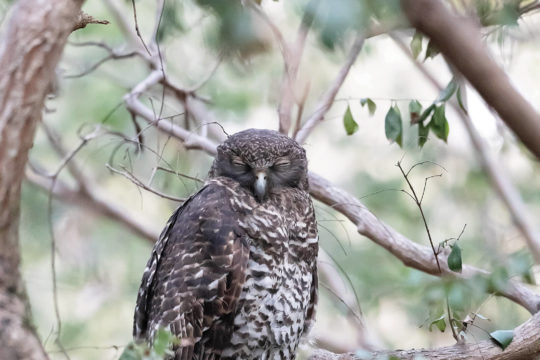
x,y
348,121
423,132
130,353
370,104
416,44
161,341
454,259
431,50
439,323
460,100
439,124
503,338
426,113
392,125
415,108
447,92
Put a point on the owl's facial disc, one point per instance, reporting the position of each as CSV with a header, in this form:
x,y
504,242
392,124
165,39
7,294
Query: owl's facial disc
x,y
262,161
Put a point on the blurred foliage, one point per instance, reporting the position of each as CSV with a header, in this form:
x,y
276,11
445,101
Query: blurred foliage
x,y
159,350
100,263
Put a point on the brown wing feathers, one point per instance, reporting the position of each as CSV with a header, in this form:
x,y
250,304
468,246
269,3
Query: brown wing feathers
x,y
195,275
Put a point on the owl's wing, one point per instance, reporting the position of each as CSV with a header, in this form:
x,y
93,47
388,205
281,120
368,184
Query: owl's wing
x,y
195,275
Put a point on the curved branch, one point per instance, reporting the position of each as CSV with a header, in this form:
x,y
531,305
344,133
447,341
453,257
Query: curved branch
x,y
410,253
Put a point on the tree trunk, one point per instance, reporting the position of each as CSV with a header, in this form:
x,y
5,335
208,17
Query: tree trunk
x,y
30,50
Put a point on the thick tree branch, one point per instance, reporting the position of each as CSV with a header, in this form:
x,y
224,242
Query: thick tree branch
x,y
32,46
410,253
526,345
460,41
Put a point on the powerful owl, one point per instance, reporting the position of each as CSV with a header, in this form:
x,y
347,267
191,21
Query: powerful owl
x,y
234,274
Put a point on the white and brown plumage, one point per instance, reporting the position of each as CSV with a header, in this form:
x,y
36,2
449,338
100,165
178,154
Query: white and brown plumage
x,y
233,274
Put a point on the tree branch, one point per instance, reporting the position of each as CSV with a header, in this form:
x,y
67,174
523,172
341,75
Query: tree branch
x,y
84,19
409,252
459,39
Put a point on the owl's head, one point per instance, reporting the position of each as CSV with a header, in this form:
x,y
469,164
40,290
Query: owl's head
x,y
262,161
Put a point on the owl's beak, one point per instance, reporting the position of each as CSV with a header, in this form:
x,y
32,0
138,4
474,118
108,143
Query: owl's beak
x,y
260,184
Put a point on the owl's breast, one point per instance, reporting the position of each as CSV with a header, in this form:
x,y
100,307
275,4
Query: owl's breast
x,y
272,307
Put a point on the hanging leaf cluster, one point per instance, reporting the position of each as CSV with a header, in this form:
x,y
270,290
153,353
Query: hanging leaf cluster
x,y
433,118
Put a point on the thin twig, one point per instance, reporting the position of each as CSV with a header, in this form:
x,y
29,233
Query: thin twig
x,y
137,27
112,56
328,98
180,174
128,175
418,203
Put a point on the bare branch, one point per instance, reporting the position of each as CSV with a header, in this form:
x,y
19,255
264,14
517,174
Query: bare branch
x,y
291,60
128,175
84,19
137,27
328,98
112,56
418,203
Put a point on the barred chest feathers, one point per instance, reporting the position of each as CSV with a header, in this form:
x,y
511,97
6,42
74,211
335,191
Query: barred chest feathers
x,y
272,310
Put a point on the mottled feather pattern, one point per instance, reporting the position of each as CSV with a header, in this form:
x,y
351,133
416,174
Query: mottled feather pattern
x,y
232,277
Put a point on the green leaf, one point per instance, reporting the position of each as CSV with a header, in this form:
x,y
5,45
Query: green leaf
x,y
508,15
439,124
503,338
348,121
423,132
130,353
392,125
163,341
416,44
447,92
370,104
415,108
460,100
454,259
439,323
426,113
431,50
